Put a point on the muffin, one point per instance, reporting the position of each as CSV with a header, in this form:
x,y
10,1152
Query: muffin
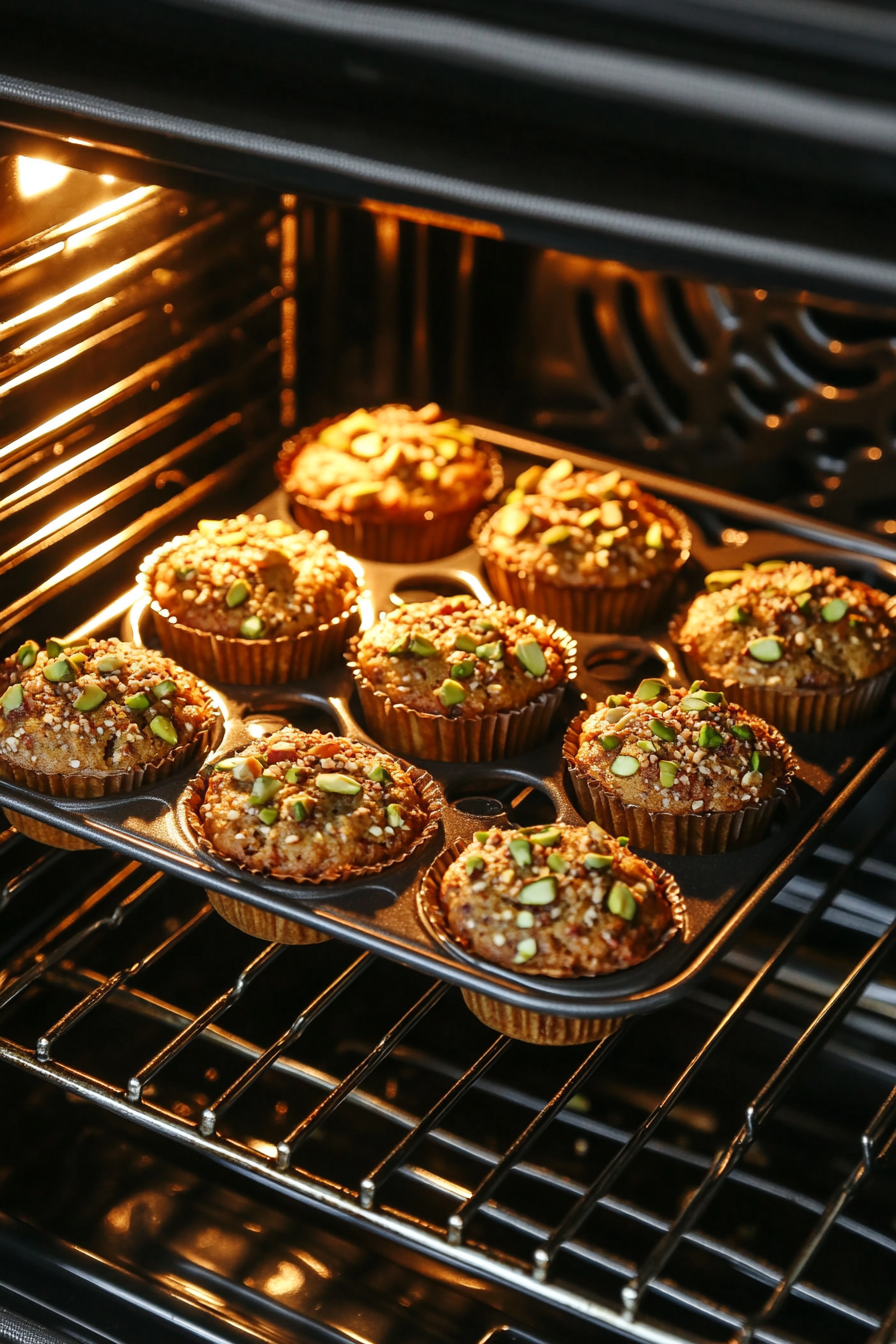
x,y
805,648
556,900
679,771
453,680
250,601
93,719
590,549
391,483
308,808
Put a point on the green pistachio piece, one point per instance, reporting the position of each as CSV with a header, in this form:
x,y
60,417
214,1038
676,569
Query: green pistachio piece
x,y
252,627
61,670
526,949
834,610
491,653
379,774
400,646
757,762
531,655
110,662
619,714
528,479
394,817
521,851
237,593
708,738
301,808
668,771
801,583
711,697
621,902
557,863
466,643
12,698
598,861
623,766
549,836
428,471
589,518
556,472
542,892
264,789
189,573
803,600
460,671
27,653
653,537
694,704
451,693
743,731
651,689
555,535
481,836
337,784
472,863
483,625
511,520
645,745
225,766
90,698
54,648
164,688
137,702
525,920
662,730
723,578
164,729
737,615
610,742
293,775
421,647
766,650
768,565
79,659
269,815
615,701
515,497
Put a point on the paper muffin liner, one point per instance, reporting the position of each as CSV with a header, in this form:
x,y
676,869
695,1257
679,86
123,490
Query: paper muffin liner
x,y
393,541
528,1024
795,711
436,737
665,832
92,785
588,607
246,662
264,924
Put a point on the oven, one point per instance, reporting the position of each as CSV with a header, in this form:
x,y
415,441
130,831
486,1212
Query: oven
x,y
655,233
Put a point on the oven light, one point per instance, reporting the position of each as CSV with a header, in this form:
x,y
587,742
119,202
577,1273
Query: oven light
x,y
35,176
106,177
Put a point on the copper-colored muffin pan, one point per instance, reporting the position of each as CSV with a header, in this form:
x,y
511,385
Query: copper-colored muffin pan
x,y
720,892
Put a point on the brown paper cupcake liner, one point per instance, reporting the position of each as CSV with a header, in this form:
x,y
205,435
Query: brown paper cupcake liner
x,y
264,924
587,607
665,832
389,540
246,662
44,833
435,737
428,793
526,1024
798,711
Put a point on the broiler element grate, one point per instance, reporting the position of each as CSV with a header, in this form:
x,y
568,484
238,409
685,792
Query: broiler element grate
x,y
655,1181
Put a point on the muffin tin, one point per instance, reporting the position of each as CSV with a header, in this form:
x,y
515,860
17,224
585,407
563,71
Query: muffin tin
x,y
720,893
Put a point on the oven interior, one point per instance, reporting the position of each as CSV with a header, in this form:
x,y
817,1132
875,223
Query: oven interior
x,y
156,344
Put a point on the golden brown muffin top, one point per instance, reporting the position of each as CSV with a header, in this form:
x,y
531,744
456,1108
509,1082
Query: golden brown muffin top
x,y
252,578
555,900
456,657
681,751
310,805
96,706
789,625
392,462
583,528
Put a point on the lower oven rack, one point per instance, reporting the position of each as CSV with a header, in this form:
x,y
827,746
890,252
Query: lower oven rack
x,y
81,1000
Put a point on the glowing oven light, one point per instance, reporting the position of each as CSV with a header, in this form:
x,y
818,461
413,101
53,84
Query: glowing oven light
x,y
35,176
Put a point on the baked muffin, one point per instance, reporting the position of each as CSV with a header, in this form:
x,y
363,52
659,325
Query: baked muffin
x,y
679,771
93,719
553,900
806,648
453,680
591,549
309,808
391,483
250,601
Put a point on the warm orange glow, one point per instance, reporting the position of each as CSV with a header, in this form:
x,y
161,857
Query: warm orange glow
x,y
482,228
68,323
35,176
287,1280
71,353
106,177
100,619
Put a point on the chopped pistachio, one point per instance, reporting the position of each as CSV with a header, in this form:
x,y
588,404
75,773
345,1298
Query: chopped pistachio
x,y
237,593
167,687
483,625
400,646
528,479
556,472
590,518
60,670
27,654
481,836
555,535
293,775
225,766
394,816
460,671
614,701
653,537
54,648
622,841
525,920
709,738
448,449
621,902
252,627
737,615
472,863
541,892
422,647
598,861
834,610
531,655
694,704
605,539
110,662
766,650
328,783
187,573
363,490
164,729
768,565
623,766
520,851
803,600
491,653
12,698
466,643
651,689
512,520
618,714
665,731
548,836
557,863
526,949
611,514
801,583
79,659
610,742
757,762
368,445
711,697
269,815
246,769
137,702
515,497
451,693
264,789
301,807
428,471
644,744
668,771
743,731
380,775
723,578
90,698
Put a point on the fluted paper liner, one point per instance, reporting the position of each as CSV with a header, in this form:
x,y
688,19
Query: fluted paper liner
x,y
246,662
588,607
92,785
528,1024
666,832
273,928
795,711
438,737
393,541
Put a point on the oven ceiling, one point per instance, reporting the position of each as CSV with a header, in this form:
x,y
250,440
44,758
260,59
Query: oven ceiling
x,y
752,141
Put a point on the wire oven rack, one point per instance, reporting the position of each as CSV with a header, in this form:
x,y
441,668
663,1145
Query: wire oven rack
x,y
648,1181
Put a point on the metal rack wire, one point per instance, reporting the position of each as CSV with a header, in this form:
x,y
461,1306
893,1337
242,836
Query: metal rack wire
x,y
589,1177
